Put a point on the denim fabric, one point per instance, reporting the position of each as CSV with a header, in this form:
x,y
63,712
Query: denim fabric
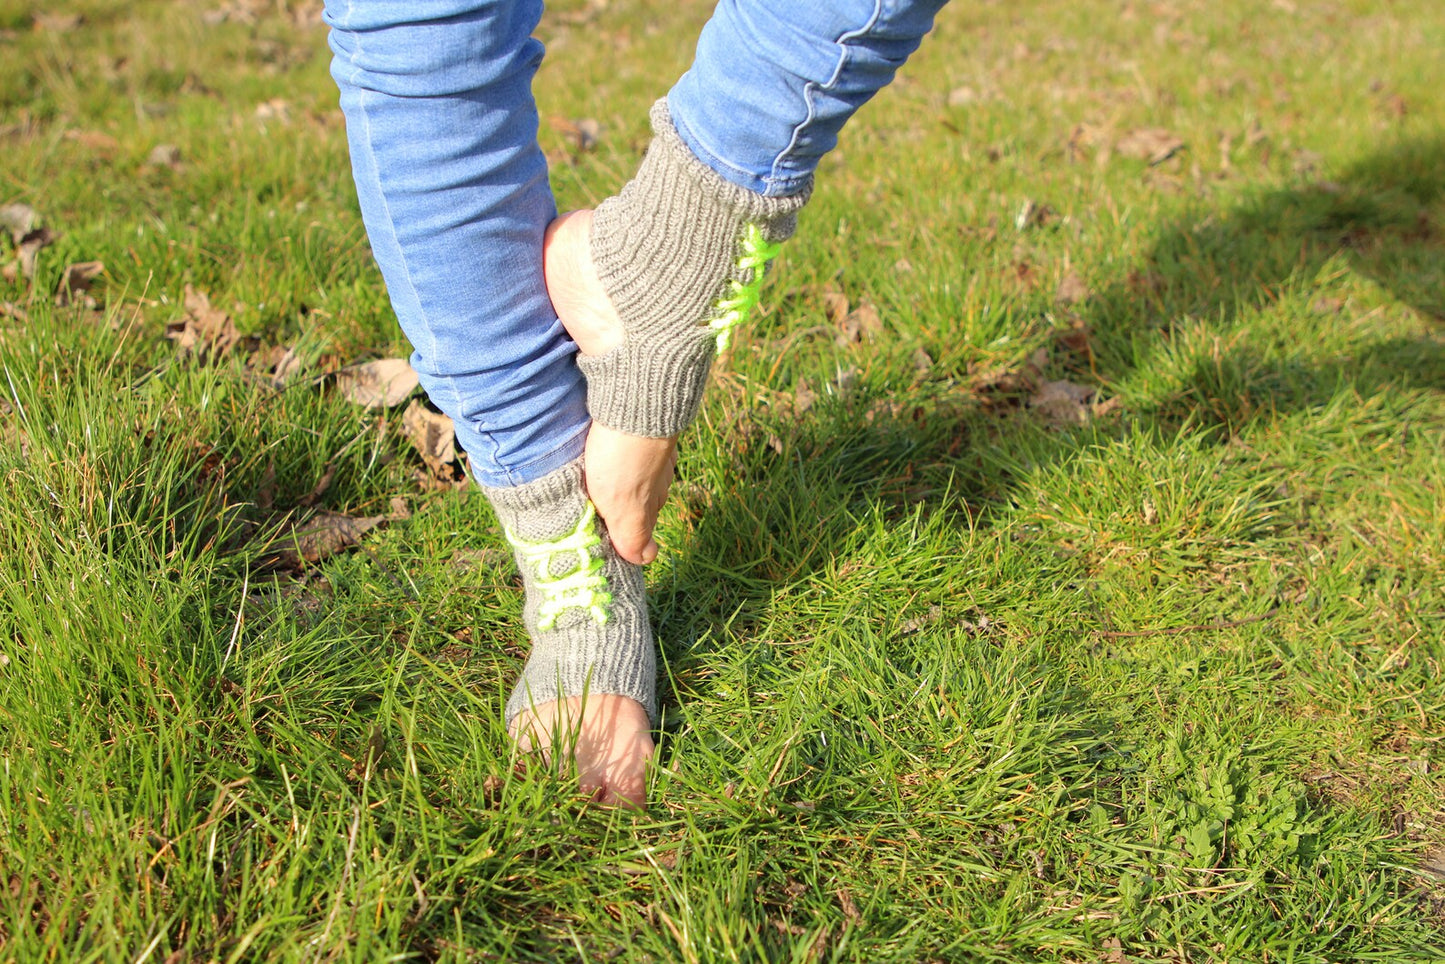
x,y
774,81
453,189
454,193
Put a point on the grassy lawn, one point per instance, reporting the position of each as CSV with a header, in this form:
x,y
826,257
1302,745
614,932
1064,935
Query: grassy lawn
x,y
1057,572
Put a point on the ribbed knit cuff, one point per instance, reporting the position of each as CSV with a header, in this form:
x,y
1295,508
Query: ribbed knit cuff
x,y
577,654
666,249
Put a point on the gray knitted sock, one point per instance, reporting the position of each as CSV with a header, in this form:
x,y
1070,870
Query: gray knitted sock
x,y
680,252
585,609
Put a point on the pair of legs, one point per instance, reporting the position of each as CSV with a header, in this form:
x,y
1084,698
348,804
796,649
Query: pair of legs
x,y
454,193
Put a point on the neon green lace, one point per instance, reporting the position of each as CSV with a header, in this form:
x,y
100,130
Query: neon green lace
x,y
743,296
585,587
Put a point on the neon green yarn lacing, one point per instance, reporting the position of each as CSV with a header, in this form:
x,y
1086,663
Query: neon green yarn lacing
x,y
585,587
743,296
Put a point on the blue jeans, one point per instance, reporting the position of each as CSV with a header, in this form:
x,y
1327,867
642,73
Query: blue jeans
x,y
454,193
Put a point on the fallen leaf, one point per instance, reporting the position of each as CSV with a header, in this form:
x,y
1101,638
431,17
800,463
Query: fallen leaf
x,y
1116,952
319,489
835,305
922,361
962,96
434,437
1077,339
94,140
325,534
1025,274
1106,407
432,433
29,247
383,383
1063,402
803,398
280,364
917,623
1071,290
861,324
277,109
75,283
1153,144
850,909
57,22
205,331
1033,214
1087,137
1009,382
19,220
164,155
266,491
584,133
1306,162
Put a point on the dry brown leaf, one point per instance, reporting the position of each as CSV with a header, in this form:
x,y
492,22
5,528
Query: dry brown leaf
x,y
1106,407
49,22
19,220
432,434
94,140
803,398
276,109
435,438
583,133
1009,381
1077,338
1153,144
922,361
1033,214
850,909
962,96
383,383
1116,951
75,283
835,305
328,472
1063,402
279,363
1071,290
205,331
164,155
861,324
30,246
325,534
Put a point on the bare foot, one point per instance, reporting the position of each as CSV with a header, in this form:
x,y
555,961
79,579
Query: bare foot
x,y
611,744
627,477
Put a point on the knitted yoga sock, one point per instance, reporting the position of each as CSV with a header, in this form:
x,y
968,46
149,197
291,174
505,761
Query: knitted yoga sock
x,y
585,608
680,253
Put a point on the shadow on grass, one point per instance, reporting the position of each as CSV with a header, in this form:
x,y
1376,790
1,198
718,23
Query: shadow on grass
x,y
1206,276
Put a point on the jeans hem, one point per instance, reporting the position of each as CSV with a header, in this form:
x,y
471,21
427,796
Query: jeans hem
x,y
766,186
498,477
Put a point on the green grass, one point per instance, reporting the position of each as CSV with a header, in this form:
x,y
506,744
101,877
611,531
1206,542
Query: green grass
x,y
932,691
